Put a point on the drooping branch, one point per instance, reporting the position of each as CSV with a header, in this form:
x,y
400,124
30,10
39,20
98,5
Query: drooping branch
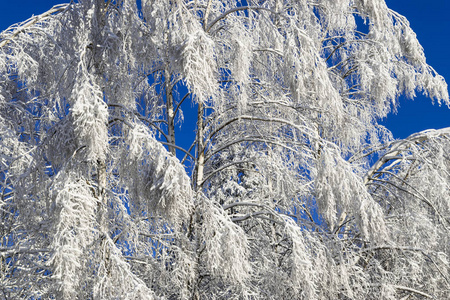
x,y
304,129
215,171
7,37
222,16
397,147
213,152
181,102
179,148
408,289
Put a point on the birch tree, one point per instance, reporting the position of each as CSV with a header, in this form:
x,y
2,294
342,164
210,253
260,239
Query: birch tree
x,y
290,188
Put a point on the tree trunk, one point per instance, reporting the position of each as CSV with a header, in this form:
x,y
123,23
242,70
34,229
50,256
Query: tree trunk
x,y
200,148
170,113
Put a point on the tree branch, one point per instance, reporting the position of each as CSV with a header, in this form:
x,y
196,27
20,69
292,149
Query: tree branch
x,y
30,22
235,10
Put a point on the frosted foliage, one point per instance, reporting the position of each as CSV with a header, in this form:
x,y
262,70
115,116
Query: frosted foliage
x,y
315,79
166,187
117,281
62,143
73,231
225,245
303,272
413,176
340,191
241,60
219,149
190,51
336,17
402,43
90,115
13,154
197,57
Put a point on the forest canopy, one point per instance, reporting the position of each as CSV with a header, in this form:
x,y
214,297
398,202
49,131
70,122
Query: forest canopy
x,y
289,189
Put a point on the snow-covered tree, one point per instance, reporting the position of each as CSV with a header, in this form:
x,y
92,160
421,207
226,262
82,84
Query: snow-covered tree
x,y
290,188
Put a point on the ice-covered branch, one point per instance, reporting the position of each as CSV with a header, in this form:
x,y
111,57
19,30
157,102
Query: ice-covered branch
x,y
9,34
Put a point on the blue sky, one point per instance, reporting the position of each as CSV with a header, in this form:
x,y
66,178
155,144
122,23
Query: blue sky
x,y
429,19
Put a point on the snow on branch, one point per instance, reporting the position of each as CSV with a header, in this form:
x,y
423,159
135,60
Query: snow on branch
x,y
9,34
166,188
285,99
341,191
